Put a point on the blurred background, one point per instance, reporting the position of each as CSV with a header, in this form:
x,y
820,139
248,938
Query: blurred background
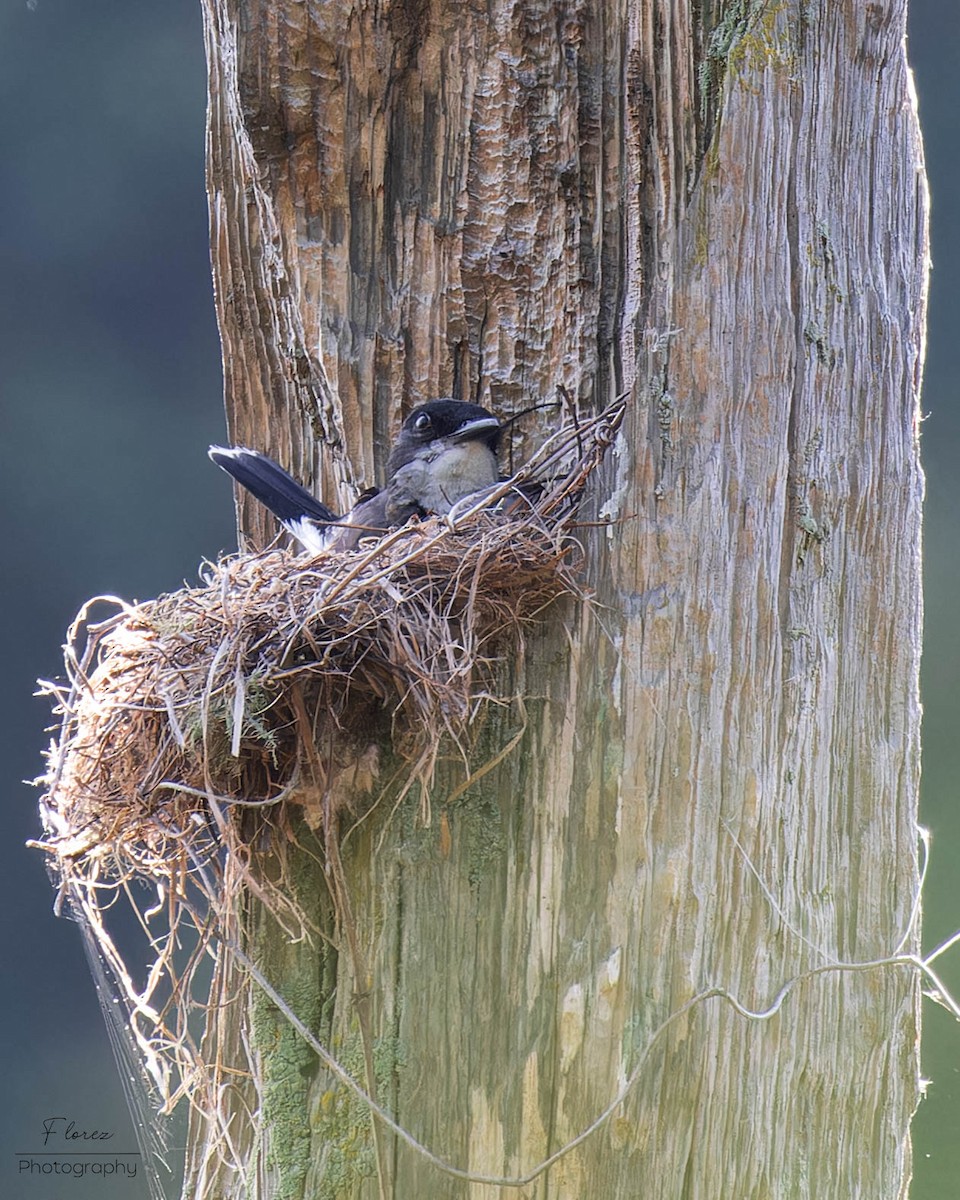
x,y
110,392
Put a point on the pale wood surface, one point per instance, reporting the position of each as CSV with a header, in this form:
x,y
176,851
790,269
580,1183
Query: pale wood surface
x,y
422,198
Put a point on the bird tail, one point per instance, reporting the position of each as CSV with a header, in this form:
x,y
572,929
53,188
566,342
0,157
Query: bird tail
x,y
272,486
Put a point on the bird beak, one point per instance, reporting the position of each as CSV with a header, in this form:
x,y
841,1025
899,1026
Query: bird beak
x,y
481,427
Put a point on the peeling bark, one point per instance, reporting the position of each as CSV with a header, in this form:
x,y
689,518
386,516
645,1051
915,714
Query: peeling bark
x,y
725,214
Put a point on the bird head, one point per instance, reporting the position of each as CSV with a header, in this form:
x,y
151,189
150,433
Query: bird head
x,y
447,421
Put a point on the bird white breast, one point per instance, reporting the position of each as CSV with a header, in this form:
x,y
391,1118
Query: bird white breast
x,y
436,482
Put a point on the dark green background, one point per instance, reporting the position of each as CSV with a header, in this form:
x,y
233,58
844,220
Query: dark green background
x,y
110,393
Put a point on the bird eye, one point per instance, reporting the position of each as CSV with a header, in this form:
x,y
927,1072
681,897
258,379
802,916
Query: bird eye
x,y
422,423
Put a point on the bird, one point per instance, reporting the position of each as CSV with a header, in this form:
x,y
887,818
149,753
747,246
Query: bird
x,y
445,450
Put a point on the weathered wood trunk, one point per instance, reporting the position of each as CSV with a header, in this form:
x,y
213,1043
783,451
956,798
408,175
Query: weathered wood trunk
x,y
721,208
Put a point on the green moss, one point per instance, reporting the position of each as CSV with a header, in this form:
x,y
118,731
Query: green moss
x,y
761,45
485,837
288,1066
822,258
665,413
745,41
340,1121
732,25
817,338
813,532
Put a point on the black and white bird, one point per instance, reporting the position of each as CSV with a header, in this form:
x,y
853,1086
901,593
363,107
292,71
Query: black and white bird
x,y
445,450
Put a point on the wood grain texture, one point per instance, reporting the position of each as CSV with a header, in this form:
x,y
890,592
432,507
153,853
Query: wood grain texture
x,y
721,208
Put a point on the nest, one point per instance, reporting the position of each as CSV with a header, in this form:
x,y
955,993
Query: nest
x,y
276,682
218,690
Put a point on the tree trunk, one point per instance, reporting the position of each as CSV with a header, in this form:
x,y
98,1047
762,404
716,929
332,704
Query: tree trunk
x,y
719,208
